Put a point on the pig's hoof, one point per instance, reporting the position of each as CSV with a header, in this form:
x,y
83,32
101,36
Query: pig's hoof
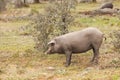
x,y
66,65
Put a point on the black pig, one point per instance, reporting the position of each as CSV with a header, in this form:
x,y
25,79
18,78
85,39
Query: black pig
x,y
77,42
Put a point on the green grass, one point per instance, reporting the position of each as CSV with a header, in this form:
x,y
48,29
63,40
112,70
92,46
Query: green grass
x,y
16,43
100,21
115,77
10,38
86,7
12,28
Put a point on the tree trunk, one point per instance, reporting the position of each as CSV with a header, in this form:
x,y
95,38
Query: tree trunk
x,y
2,5
93,0
24,1
20,4
36,1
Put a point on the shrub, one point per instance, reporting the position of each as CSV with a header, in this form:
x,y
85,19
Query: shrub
x,y
2,5
116,40
53,22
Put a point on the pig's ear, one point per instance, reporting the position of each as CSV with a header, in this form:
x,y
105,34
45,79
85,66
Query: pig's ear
x,y
52,43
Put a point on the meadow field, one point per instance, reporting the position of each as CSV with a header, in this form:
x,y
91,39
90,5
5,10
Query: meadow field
x,y
20,61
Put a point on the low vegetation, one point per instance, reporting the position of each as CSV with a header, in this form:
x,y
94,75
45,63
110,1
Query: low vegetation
x,y
116,39
20,61
55,21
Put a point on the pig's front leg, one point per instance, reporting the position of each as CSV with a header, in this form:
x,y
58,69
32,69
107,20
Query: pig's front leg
x,y
68,58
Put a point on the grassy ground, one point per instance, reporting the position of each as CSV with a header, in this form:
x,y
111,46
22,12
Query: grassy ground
x,y
18,61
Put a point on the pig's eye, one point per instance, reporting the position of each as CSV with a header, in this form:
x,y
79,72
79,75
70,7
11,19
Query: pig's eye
x,y
52,44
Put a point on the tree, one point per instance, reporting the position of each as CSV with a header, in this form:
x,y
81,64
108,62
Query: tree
x,y
2,5
36,1
24,1
61,12
53,22
93,0
20,4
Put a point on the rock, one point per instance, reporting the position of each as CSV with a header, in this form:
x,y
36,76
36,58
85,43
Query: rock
x,y
102,1
107,5
104,11
83,1
50,68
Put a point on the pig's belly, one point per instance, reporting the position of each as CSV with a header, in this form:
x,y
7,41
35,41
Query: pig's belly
x,y
81,49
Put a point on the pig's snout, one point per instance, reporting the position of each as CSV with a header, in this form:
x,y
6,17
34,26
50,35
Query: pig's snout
x,y
48,51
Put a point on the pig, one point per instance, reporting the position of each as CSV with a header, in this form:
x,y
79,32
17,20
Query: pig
x,y
77,42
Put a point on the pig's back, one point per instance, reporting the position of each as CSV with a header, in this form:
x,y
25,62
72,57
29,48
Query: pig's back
x,y
88,32
80,41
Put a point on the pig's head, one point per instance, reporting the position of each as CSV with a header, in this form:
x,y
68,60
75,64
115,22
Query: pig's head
x,y
52,47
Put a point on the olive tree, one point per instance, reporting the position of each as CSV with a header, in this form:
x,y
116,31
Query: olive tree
x,y
2,5
55,21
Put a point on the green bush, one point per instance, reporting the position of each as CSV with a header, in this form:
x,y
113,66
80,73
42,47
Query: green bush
x,y
55,21
116,40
